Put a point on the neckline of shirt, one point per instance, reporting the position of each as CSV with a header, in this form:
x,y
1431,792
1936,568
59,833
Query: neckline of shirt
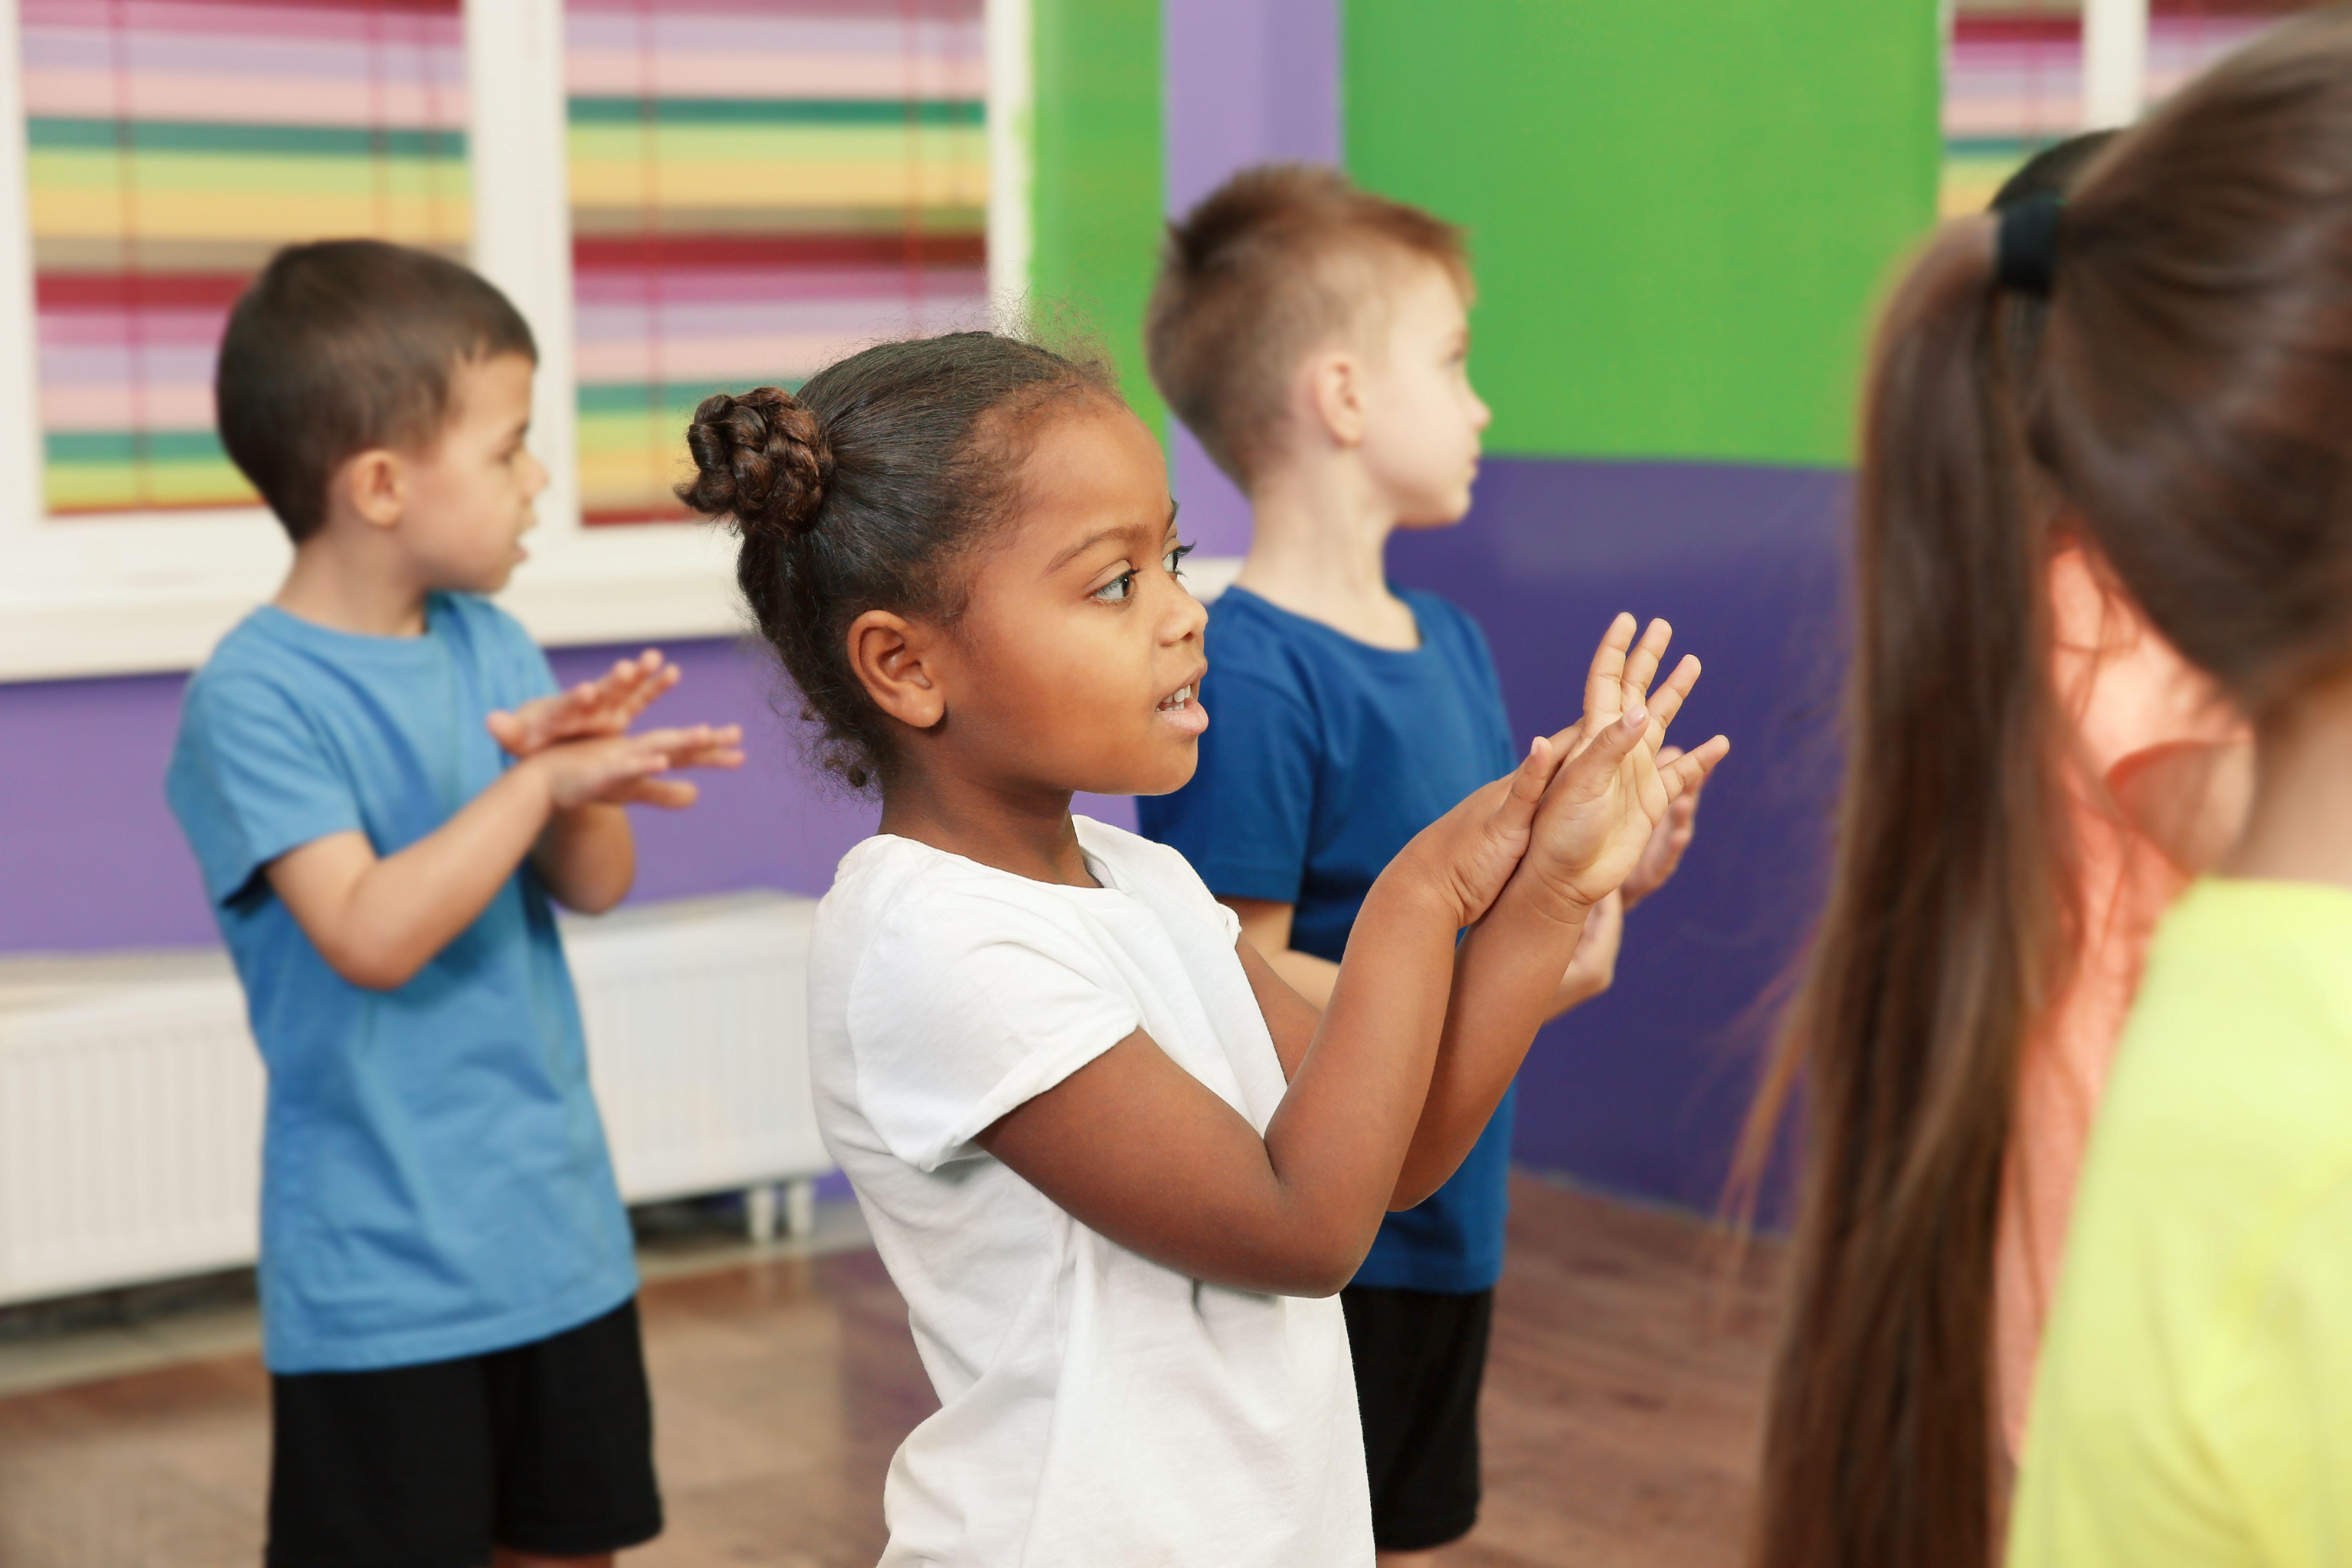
x,y
1358,645
289,626
1110,888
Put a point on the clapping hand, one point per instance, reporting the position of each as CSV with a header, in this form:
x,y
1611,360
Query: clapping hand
x,y
1604,806
623,769
581,738
607,705
1663,854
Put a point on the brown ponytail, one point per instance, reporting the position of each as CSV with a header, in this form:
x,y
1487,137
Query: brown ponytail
x,y
2187,405
1931,961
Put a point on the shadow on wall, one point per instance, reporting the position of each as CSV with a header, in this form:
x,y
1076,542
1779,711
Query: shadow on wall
x,y
1642,1090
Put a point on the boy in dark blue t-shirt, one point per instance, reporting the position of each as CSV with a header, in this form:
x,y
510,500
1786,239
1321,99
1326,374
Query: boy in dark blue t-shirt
x,y
1315,338
386,795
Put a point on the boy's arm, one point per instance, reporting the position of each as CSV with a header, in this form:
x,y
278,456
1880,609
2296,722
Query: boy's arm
x,y
588,857
377,919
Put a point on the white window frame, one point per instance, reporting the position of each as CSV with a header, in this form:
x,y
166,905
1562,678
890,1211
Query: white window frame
x,y
129,593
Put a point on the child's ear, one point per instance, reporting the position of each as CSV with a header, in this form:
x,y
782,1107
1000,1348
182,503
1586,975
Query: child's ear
x,y
372,485
889,655
1333,391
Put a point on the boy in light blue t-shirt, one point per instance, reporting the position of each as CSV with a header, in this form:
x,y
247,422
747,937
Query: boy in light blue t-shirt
x,y
1315,337
386,795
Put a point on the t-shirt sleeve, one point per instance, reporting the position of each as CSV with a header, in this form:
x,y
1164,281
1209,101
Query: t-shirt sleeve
x,y
250,780
1243,819
2277,1408
965,1007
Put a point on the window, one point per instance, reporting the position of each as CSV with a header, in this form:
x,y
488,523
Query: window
x,y
756,187
2184,37
2020,75
680,195
2012,85
171,146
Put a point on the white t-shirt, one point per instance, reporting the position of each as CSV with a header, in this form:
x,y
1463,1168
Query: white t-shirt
x,y
1097,1408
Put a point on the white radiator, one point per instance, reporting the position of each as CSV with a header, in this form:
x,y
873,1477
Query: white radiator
x,y
131,1091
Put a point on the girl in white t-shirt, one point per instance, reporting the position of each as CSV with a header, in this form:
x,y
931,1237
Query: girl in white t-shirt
x,y
1115,1165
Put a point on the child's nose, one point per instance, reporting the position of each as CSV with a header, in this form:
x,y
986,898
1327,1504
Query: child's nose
x,y
1189,619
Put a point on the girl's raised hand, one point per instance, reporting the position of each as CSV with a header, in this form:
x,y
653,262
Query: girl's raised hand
x,y
1606,801
1470,852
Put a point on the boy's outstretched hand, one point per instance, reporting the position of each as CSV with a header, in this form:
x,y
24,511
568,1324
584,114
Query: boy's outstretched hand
x,y
623,770
607,705
1608,800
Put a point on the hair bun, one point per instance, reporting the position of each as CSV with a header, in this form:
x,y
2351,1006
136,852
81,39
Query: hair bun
x,y
761,458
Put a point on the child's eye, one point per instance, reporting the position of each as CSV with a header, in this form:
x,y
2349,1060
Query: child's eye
x,y
1176,560
1116,589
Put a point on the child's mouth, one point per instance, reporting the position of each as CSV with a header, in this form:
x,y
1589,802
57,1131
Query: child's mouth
x,y
1180,709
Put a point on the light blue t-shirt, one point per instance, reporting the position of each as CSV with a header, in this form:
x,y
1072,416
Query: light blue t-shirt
x,y
1323,757
435,1182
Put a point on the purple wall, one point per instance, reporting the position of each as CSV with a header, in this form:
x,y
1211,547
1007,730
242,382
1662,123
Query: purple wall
x,y
1642,1090
91,859
1249,81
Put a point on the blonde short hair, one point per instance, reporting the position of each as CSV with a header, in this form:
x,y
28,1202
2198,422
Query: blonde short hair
x,y
1276,261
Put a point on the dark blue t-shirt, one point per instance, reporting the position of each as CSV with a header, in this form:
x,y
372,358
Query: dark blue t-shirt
x,y
1323,757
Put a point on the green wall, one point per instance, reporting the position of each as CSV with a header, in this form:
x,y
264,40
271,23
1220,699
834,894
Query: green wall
x,y
1097,212
1682,212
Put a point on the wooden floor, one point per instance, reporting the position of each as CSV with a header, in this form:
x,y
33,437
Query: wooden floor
x,y
1618,1417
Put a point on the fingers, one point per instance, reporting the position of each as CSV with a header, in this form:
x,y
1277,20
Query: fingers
x,y
649,677
1686,772
1641,666
1589,773
670,794
715,757
693,739
1605,681
1529,780
1668,701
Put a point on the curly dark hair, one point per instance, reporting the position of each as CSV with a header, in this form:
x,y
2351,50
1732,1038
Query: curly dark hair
x,y
868,490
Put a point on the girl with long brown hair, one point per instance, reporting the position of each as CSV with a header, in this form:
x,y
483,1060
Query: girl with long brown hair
x,y
2185,415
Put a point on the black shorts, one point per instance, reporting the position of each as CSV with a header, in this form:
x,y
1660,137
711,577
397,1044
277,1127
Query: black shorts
x,y
1420,1357
546,1448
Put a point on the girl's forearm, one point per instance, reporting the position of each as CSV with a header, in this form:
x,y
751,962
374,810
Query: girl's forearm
x,y
1506,985
1344,1126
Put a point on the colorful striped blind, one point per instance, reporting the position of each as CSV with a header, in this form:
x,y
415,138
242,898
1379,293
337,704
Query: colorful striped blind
x,y
2012,85
2012,79
172,145
758,185
2184,37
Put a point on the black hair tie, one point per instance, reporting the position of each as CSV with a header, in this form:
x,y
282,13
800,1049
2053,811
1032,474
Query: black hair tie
x,y
2025,253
